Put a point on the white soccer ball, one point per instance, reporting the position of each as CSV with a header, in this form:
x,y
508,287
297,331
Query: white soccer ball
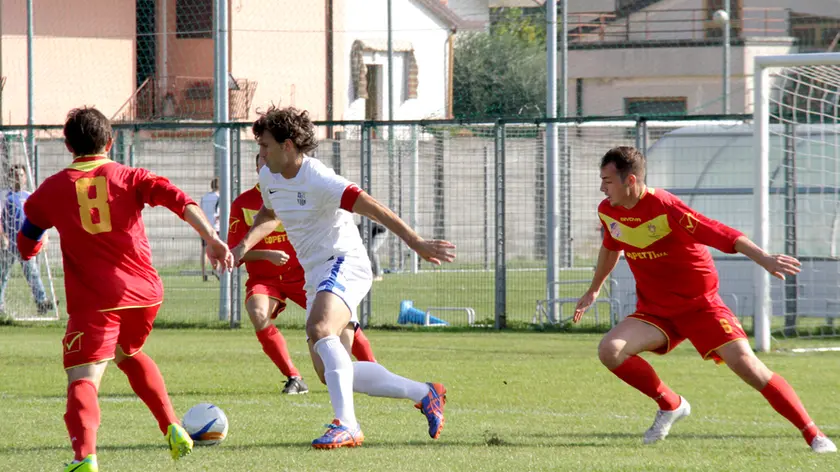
x,y
206,424
721,17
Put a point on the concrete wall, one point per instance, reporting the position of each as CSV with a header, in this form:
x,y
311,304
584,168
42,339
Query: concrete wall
x,y
83,54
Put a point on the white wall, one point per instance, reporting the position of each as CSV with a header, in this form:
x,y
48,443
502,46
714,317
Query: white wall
x,y
576,6
367,19
610,75
471,10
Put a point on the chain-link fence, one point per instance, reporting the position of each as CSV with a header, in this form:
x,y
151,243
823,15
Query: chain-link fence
x,y
480,185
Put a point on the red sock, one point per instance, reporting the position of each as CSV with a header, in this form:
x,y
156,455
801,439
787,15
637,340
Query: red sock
x,y
637,373
274,346
784,400
145,379
82,417
361,347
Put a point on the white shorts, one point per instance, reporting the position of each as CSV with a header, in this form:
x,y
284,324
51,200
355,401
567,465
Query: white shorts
x,y
349,278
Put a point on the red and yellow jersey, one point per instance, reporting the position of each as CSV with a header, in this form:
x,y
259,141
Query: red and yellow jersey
x,y
664,242
243,210
95,205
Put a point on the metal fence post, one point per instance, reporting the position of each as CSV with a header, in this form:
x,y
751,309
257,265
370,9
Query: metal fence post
x,y
365,169
501,268
236,189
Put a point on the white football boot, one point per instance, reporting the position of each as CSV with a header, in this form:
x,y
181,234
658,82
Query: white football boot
x,y
664,420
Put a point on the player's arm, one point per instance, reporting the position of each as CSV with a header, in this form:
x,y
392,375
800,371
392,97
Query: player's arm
x,y
778,265
237,229
265,222
155,190
276,257
31,237
607,260
433,251
701,228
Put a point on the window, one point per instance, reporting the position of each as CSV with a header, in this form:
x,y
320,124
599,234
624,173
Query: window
x,y
653,106
194,19
814,33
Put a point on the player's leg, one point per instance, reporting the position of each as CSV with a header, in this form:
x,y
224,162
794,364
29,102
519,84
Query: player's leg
x,y
375,380
742,360
327,317
619,350
145,378
32,274
361,349
82,416
262,309
87,346
7,260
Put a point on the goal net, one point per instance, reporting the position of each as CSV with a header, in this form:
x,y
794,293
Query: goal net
x,y
797,194
27,289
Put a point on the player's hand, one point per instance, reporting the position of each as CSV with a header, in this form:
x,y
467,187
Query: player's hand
x,y
780,265
435,250
4,243
277,258
238,253
584,303
219,255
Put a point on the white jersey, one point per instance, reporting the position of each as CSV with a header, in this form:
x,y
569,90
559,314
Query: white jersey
x,y
309,205
210,207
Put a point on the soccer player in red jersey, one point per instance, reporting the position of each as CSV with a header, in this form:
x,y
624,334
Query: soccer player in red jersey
x,y
664,242
274,276
113,291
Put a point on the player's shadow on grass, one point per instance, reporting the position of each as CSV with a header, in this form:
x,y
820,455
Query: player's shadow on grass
x,y
639,435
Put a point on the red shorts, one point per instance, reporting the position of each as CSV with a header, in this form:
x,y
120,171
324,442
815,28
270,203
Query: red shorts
x,y
708,329
279,290
93,337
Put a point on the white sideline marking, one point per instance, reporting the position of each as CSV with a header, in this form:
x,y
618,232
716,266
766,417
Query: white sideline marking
x,y
816,349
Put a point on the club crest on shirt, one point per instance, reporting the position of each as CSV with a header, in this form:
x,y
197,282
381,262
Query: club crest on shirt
x,y
301,198
615,230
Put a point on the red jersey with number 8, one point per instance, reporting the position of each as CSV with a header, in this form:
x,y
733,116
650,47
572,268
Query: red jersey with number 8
x,y
95,205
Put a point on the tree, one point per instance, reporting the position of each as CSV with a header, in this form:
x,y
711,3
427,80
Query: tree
x,y
501,73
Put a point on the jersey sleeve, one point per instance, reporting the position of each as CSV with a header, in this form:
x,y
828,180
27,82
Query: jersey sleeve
x,y
608,241
336,191
37,222
701,228
606,237
159,191
237,229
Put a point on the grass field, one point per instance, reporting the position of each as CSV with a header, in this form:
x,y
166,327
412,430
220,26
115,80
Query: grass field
x,y
517,401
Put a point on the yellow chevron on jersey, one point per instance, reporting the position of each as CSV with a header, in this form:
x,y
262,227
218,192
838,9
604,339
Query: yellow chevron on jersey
x,y
640,236
251,214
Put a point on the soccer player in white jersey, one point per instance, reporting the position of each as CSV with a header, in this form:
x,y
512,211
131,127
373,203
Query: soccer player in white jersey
x,y
315,205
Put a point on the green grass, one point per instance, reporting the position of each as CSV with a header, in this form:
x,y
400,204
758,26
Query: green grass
x,y
517,401
189,301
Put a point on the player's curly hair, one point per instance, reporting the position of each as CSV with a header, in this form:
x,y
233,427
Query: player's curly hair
x,y
627,160
287,123
87,131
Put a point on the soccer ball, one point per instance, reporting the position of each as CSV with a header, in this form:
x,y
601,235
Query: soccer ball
x,y
206,424
721,17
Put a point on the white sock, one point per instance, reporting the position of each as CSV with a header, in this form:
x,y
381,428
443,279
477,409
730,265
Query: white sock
x,y
375,380
338,372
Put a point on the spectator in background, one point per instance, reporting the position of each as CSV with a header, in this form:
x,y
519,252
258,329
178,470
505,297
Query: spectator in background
x,y
210,207
12,221
378,235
